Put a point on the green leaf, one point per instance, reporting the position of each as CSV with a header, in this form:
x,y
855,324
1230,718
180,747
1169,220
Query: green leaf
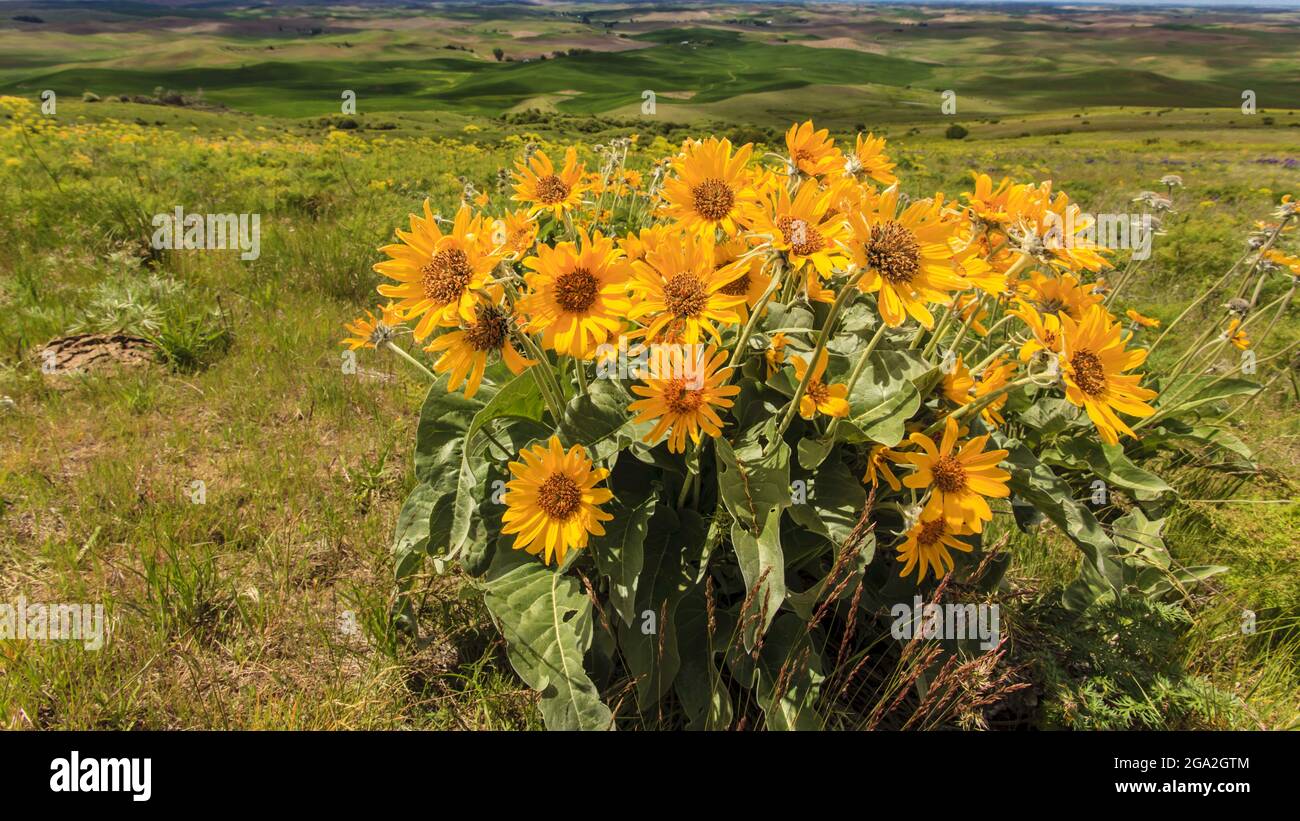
x,y
547,623
619,554
519,399
675,540
812,452
1035,483
1050,416
835,501
1213,389
1110,463
750,483
440,432
593,418
411,535
699,684
787,677
761,558
884,397
1172,430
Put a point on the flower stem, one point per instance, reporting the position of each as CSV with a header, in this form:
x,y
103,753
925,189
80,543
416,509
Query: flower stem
x,y
858,368
412,360
759,306
845,296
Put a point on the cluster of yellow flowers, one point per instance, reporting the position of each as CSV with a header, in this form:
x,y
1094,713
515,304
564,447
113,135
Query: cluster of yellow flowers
x,y
725,234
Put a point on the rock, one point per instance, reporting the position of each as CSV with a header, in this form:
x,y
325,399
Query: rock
x,y
88,353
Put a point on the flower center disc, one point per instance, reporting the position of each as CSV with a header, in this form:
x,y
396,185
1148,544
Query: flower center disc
x,y
1051,306
819,392
930,532
446,276
576,290
684,295
738,286
1089,374
713,199
489,332
559,496
551,189
949,475
893,251
802,237
679,399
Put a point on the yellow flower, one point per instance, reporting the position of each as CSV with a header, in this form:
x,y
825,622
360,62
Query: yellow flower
x,y
1047,218
878,467
465,351
1286,261
684,400
775,354
1236,336
831,400
635,245
368,332
961,478
906,259
539,185
807,231
711,190
678,290
1093,361
1063,295
553,504
869,158
1144,321
515,233
992,379
928,541
438,274
752,282
987,203
958,383
812,152
577,294
1046,330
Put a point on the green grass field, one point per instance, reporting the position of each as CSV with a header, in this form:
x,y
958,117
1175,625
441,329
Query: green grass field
x,y
266,605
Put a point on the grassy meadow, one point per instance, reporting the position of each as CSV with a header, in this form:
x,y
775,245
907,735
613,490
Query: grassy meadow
x,y
265,602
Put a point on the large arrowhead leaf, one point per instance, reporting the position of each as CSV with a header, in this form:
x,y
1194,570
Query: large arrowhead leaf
x,y
1209,389
620,553
1110,463
760,558
835,502
699,683
675,540
440,433
787,676
519,399
592,419
547,623
750,483
885,397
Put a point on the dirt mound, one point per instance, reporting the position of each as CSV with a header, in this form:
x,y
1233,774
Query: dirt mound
x,y
88,353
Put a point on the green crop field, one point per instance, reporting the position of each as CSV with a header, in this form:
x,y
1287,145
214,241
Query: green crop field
x,y
270,604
